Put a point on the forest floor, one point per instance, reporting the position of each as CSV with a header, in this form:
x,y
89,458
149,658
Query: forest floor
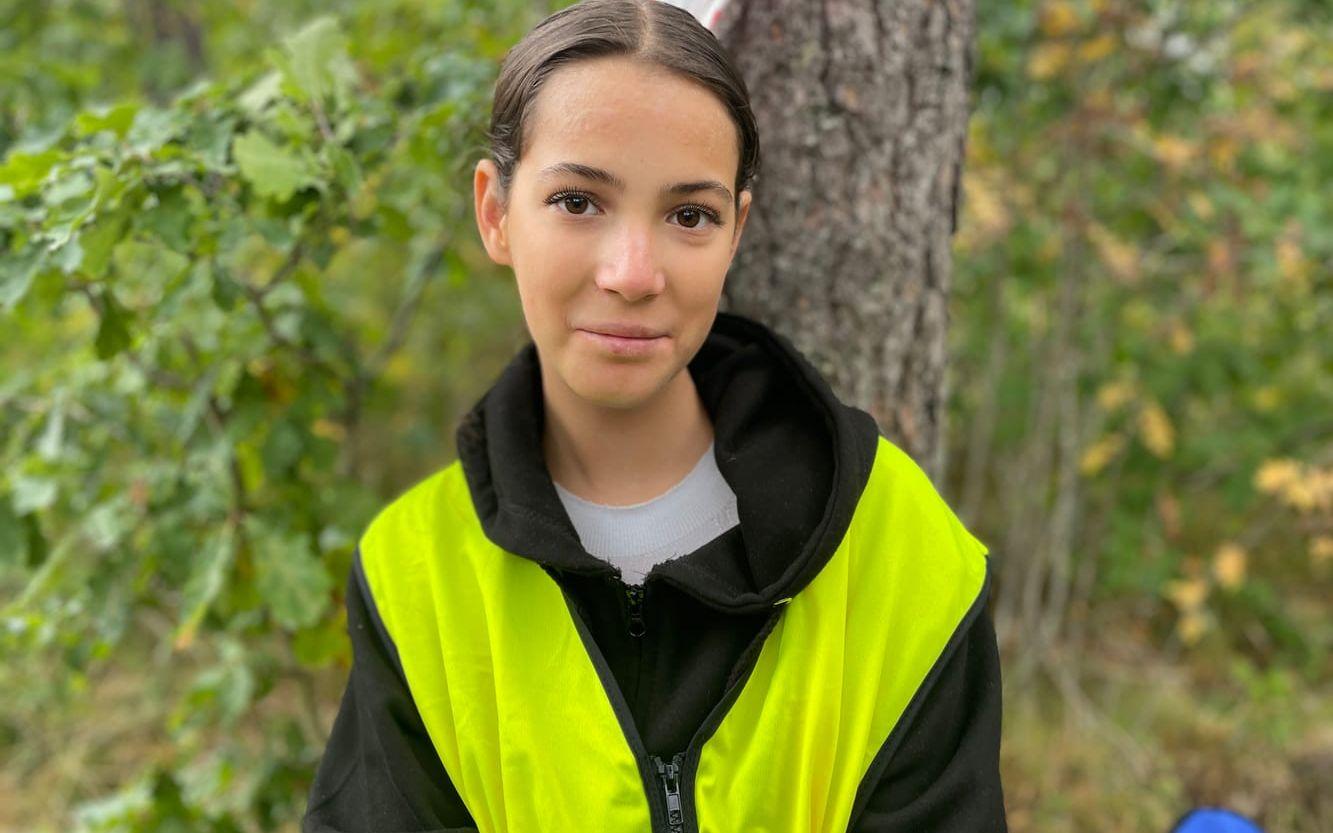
x,y
1117,739
1139,739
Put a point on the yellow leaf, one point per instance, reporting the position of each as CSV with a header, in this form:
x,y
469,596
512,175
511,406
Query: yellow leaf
x,y
1121,258
399,368
1274,475
985,208
1058,18
1292,264
1048,60
1201,205
1266,398
1229,566
1156,430
1187,594
1114,395
1100,453
1322,482
1180,337
329,430
1305,493
980,149
1173,151
1321,550
1191,627
1099,47
1222,153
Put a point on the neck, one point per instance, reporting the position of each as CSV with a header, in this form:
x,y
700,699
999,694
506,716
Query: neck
x,y
621,456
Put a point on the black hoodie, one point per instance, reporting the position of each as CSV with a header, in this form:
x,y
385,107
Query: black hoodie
x,y
797,459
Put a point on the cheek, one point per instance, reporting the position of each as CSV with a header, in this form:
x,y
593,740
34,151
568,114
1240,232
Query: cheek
x,y
547,286
706,271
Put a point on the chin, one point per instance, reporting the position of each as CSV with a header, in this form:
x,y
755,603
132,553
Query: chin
x,y
623,387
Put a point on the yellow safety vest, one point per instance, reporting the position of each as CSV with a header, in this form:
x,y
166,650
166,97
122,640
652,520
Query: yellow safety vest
x,y
529,723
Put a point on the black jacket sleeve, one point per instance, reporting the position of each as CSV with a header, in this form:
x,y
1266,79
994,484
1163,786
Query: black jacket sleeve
x,y
942,773
380,772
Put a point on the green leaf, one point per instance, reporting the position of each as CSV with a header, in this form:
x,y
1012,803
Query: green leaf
x,y
146,270
116,119
113,332
322,644
68,257
315,62
225,291
98,241
52,439
291,579
105,525
32,494
70,186
13,540
153,128
24,172
205,582
282,447
262,93
345,169
17,270
170,220
224,690
210,137
270,170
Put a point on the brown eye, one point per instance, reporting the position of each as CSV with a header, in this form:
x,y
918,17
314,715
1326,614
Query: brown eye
x,y
573,202
690,215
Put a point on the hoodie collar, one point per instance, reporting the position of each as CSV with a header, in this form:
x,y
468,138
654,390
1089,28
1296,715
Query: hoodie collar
x,y
796,457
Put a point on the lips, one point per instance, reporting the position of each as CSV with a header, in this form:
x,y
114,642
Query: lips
x,y
624,330
644,343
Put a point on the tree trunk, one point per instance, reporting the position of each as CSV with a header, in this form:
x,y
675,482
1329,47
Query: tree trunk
x,y
862,108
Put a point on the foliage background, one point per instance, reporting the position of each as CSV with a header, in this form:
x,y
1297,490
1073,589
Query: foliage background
x,y
242,302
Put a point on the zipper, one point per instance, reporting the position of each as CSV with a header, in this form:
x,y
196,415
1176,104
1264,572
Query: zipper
x,y
673,784
688,761
669,775
634,594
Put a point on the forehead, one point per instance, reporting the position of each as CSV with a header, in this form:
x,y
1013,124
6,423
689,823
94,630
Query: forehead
x,y
639,121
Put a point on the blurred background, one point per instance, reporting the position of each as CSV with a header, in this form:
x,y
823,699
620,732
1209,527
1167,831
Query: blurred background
x,y
242,301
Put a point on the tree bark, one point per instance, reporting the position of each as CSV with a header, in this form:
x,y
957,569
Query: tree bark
x,y
862,108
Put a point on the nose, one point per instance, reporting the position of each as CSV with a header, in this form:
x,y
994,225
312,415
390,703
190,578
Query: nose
x,y
630,268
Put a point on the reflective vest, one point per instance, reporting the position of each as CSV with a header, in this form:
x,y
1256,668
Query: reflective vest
x,y
530,724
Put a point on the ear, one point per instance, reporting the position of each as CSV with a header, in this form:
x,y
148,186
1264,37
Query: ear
x,y
741,214
491,211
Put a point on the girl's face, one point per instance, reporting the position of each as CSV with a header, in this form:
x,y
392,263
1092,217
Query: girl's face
x,y
620,217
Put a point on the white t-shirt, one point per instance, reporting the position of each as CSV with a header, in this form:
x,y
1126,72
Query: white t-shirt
x,y
680,520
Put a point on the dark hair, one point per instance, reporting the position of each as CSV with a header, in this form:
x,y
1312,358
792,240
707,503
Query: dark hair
x,y
648,30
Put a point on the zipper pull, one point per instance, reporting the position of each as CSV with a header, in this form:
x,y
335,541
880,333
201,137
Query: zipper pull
x,y
634,593
670,775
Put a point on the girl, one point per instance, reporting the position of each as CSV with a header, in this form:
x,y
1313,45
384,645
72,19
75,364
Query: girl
x,y
672,582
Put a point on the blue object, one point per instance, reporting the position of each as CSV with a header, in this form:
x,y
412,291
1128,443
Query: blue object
x,y
1215,820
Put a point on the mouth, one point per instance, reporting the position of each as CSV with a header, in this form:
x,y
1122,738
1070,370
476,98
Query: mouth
x,y
624,345
623,330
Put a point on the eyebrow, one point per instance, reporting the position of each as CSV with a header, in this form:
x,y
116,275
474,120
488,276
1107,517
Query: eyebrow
x,y
610,179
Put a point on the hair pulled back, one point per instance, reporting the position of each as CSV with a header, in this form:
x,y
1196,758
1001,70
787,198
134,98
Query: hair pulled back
x,y
647,30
